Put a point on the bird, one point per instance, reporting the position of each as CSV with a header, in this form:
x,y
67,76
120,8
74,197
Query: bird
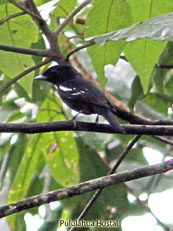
x,y
81,94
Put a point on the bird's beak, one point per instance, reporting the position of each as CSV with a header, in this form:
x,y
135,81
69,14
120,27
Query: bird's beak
x,y
41,77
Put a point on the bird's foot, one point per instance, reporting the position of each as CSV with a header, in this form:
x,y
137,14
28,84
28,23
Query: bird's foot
x,y
97,121
73,121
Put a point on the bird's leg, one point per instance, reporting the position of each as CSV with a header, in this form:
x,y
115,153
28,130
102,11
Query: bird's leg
x,y
73,120
97,119
74,117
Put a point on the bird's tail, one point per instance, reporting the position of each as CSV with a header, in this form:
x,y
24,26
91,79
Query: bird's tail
x,y
108,115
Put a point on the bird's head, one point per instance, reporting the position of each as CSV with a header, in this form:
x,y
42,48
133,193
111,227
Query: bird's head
x,y
57,74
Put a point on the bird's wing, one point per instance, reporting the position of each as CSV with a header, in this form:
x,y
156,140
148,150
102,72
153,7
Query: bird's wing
x,y
83,91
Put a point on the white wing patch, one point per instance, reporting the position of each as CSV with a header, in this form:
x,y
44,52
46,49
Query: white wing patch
x,y
78,93
72,90
63,88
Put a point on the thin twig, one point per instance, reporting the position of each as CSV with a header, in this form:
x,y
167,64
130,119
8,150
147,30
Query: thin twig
x,y
3,168
166,66
169,66
41,23
26,51
26,10
99,191
84,187
164,140
70,16
31,9
55,51
2,21
79,48
14,80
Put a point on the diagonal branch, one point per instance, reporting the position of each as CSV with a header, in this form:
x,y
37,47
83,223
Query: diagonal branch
x,y
164,140
14,80
84,187
70,16
25,10
41,23
78,49
30,8
2,21
99,191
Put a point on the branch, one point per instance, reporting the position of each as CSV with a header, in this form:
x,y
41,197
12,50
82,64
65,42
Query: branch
x,y
4,167
14,80
31,128
27,51
99,191
78,48
169,66
25,10
31,7
55,51
84,187
164,140
70,16
134,119
2,21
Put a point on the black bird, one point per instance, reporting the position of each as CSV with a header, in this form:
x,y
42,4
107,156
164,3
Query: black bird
x,y
80,94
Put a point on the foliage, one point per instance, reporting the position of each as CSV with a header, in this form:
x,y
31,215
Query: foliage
x,y
131,71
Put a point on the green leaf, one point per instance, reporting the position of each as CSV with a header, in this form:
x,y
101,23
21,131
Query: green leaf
x,y
61,156
41,2
104,17
155,28
3,2
8,108
139,52
15,116
148,112
143,62
60,151
64,8
23,176
16,152
136,92
21,92
161,77
39,44
19,31
92,166
25,171
145,53
37,183
169,87
39,89
152,99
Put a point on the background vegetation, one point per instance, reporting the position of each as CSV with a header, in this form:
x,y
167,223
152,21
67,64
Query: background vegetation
x,y
132,68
